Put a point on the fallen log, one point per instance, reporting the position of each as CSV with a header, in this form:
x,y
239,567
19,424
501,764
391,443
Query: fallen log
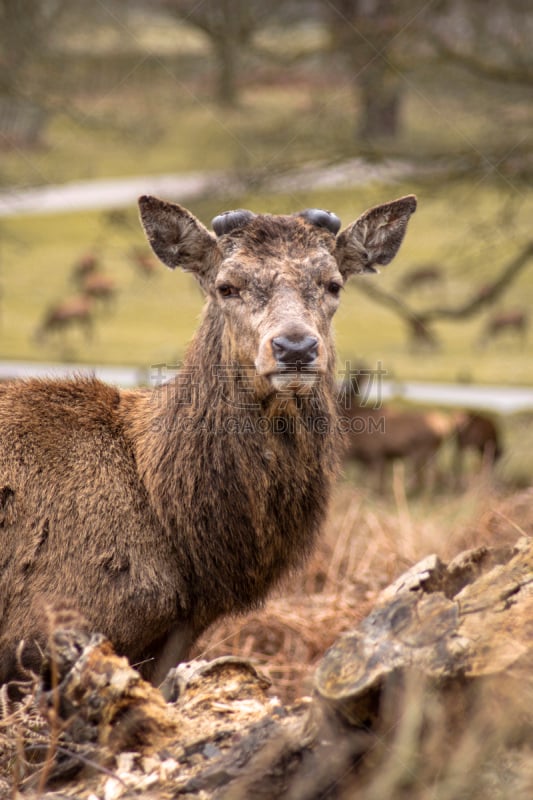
x,y
434,688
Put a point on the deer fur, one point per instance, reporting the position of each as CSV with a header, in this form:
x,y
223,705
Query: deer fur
x,y
156,512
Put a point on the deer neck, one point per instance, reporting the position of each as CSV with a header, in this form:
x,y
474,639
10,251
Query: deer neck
x,y
241,488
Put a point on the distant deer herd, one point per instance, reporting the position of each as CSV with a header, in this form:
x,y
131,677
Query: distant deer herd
x,y
378,436
95,291
154,513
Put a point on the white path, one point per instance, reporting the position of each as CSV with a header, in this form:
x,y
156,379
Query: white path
x,y
101,194
122,192
501,399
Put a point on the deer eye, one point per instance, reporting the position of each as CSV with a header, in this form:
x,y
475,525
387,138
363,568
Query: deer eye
x,y
334,287
227,290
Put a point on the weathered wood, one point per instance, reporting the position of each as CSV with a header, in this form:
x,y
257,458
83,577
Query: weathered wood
x,y
443,642
465,620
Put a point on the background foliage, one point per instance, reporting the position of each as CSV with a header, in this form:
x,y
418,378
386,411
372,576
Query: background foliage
x,y
382,98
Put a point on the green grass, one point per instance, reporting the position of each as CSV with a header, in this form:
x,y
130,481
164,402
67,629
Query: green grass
x,y
151,320
139,114
154,319
149,114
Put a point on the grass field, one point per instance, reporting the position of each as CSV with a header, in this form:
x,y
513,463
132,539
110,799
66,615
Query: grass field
x,y
151,115
153,319
133,112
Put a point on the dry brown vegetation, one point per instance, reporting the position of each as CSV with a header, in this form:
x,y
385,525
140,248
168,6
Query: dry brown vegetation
x,y
367,543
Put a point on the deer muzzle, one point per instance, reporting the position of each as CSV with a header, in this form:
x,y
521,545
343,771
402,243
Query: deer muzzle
x,y
299,353
292,360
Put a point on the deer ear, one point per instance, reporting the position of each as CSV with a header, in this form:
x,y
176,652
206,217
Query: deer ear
x,y
375,237
177,238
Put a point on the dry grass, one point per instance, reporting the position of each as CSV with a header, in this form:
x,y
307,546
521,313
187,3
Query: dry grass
x,y
470,744
428,745
25,740
367,543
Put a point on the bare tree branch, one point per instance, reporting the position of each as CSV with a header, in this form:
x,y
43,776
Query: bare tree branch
x,y
516,72
419,322
488,38
487,295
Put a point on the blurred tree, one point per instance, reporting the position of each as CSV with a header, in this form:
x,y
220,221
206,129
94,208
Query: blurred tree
x,y
363,33
379,41
419,323
26,29
490,38
230,26
492,41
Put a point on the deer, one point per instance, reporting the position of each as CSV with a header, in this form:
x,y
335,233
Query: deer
x,y
100,288
143,262
377,436
74,311
154,513
84,266
479,433
513,321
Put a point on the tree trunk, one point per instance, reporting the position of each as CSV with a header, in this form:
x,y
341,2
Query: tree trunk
x,y
22,123
380,100
226,52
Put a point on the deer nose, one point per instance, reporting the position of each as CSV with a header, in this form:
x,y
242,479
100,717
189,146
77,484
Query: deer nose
x,y
289,351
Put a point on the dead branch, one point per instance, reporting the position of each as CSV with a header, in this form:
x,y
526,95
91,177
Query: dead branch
x,y
487,296
419,322
520,74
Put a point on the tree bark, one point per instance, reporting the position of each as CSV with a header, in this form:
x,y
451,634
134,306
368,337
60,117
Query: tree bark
x,y
381,102
226,58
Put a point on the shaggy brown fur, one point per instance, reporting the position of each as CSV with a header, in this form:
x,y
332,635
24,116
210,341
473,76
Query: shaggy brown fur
x,y
156,513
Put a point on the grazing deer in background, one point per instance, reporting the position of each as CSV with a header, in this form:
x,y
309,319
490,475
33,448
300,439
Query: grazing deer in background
x,y
143,262
515,321
155,513
100,288
73,312
92,282
85,266
376,437
479,433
